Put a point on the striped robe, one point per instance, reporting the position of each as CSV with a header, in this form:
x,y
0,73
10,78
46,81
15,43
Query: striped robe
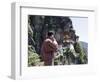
x,y
47,51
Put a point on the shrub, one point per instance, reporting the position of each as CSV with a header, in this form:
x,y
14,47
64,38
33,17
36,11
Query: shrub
x,y
33,58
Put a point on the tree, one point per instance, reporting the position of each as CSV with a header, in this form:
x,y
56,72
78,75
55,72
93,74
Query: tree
x,y
82,55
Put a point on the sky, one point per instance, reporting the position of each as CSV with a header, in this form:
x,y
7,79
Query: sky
x,y
80,24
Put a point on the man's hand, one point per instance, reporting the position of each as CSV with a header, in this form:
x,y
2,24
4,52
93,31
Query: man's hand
x,y
55,42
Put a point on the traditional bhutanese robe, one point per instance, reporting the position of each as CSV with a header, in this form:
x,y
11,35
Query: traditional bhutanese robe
x,y
47,51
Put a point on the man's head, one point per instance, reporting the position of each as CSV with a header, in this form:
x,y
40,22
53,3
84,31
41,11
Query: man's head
x,y
51,34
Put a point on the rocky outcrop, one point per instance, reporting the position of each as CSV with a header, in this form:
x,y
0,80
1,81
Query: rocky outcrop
x,y
40,25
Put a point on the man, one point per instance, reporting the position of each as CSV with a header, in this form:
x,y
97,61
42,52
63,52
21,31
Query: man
x,y
48,49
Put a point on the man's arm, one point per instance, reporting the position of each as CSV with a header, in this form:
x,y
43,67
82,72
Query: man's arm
x,y
53,45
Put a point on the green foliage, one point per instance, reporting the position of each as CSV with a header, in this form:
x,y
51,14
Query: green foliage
x,y
77,47
31,48
30,31
67,52
66,58
82,54
33,58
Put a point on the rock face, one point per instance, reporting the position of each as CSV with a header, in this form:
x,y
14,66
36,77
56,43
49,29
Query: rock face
x,y
38,27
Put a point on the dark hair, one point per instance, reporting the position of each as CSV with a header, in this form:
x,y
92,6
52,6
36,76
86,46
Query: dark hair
x,y
50,33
